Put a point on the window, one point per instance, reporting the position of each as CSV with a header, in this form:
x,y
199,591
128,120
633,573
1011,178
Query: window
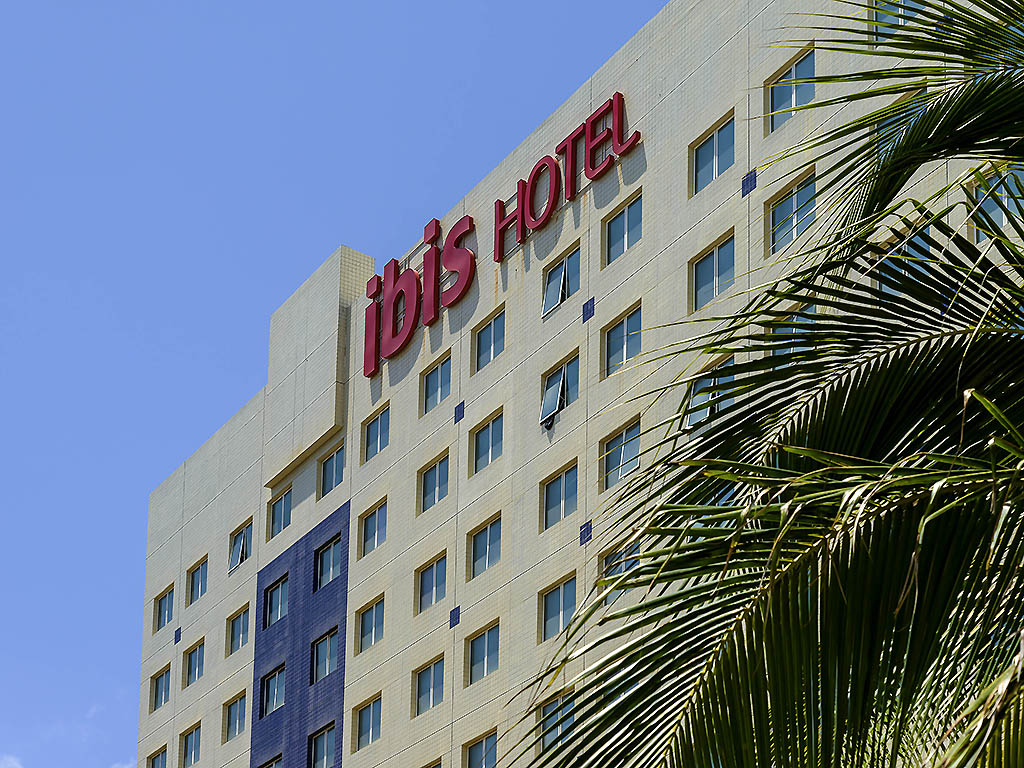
x,y
430,686
713,156
621,454
557,606
325,655
490,340
273,691
371,625
275,763
561,281
893,14
241,546
622,342
159,760
435,483
789,330
617,563
197,582
483,654
487,441
238,630
321,749
190,744
280,513
437,384
556,721
368,718
792,215
486,548
561,388
377,433
160,685
624,230
432,582
1005,191
194,663
375,528
332,471
483,753
276,602
786,93
234,718
559,497
702,394
328,562
713,272
164,608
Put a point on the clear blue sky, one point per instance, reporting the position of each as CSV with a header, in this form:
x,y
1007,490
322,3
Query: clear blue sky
x,y
169,173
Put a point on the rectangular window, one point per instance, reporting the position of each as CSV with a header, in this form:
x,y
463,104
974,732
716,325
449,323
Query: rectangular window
x,y
713,273
788,331
713,156
622,342
435,483
432,580
617,563
437,384
375,528
490,340
483,753
792,215
621,454
325,655
624,230
559,497
160,685
786,93
163,609
377,430
486,548
483,654
487,442
328,562
241,546
893,14
561,281
556,721
368,718
557,606
371,625
159,760
321,749
702,394
332,471
276,606
238,631
234,716
561,388
197,582
280,513
273,691
1003,191
190,744
194,663
430,686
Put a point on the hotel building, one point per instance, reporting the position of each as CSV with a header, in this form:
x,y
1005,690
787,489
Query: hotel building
x,y
374,554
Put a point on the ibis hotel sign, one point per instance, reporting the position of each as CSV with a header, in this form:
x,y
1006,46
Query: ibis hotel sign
x,y
385,335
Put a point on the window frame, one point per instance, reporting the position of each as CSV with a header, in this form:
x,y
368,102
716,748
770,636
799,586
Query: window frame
x,y
479,327
377,538
334,546
284,497
365,429
197,650
563,619
772,122
333,655
559,477
375,639
201,569
882,34
563,399
623,209
437,497
606,452
245,548
489,747
155,687
471,536
151,761
162,618
331,757
332,456
280,690
808,178
488,670
189,759
418,586
712,252
562,701
712,135
376,709
565,290
623,320
444,387
708,373
280,583
244,634
474,435
434,686
240,718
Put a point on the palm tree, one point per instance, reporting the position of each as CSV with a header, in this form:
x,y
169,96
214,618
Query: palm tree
x,y
823,558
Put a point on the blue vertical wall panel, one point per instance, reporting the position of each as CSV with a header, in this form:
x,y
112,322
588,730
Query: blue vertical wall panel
x,y
289,641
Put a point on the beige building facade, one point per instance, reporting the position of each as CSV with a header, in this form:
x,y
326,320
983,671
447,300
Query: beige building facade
x,y
365,569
